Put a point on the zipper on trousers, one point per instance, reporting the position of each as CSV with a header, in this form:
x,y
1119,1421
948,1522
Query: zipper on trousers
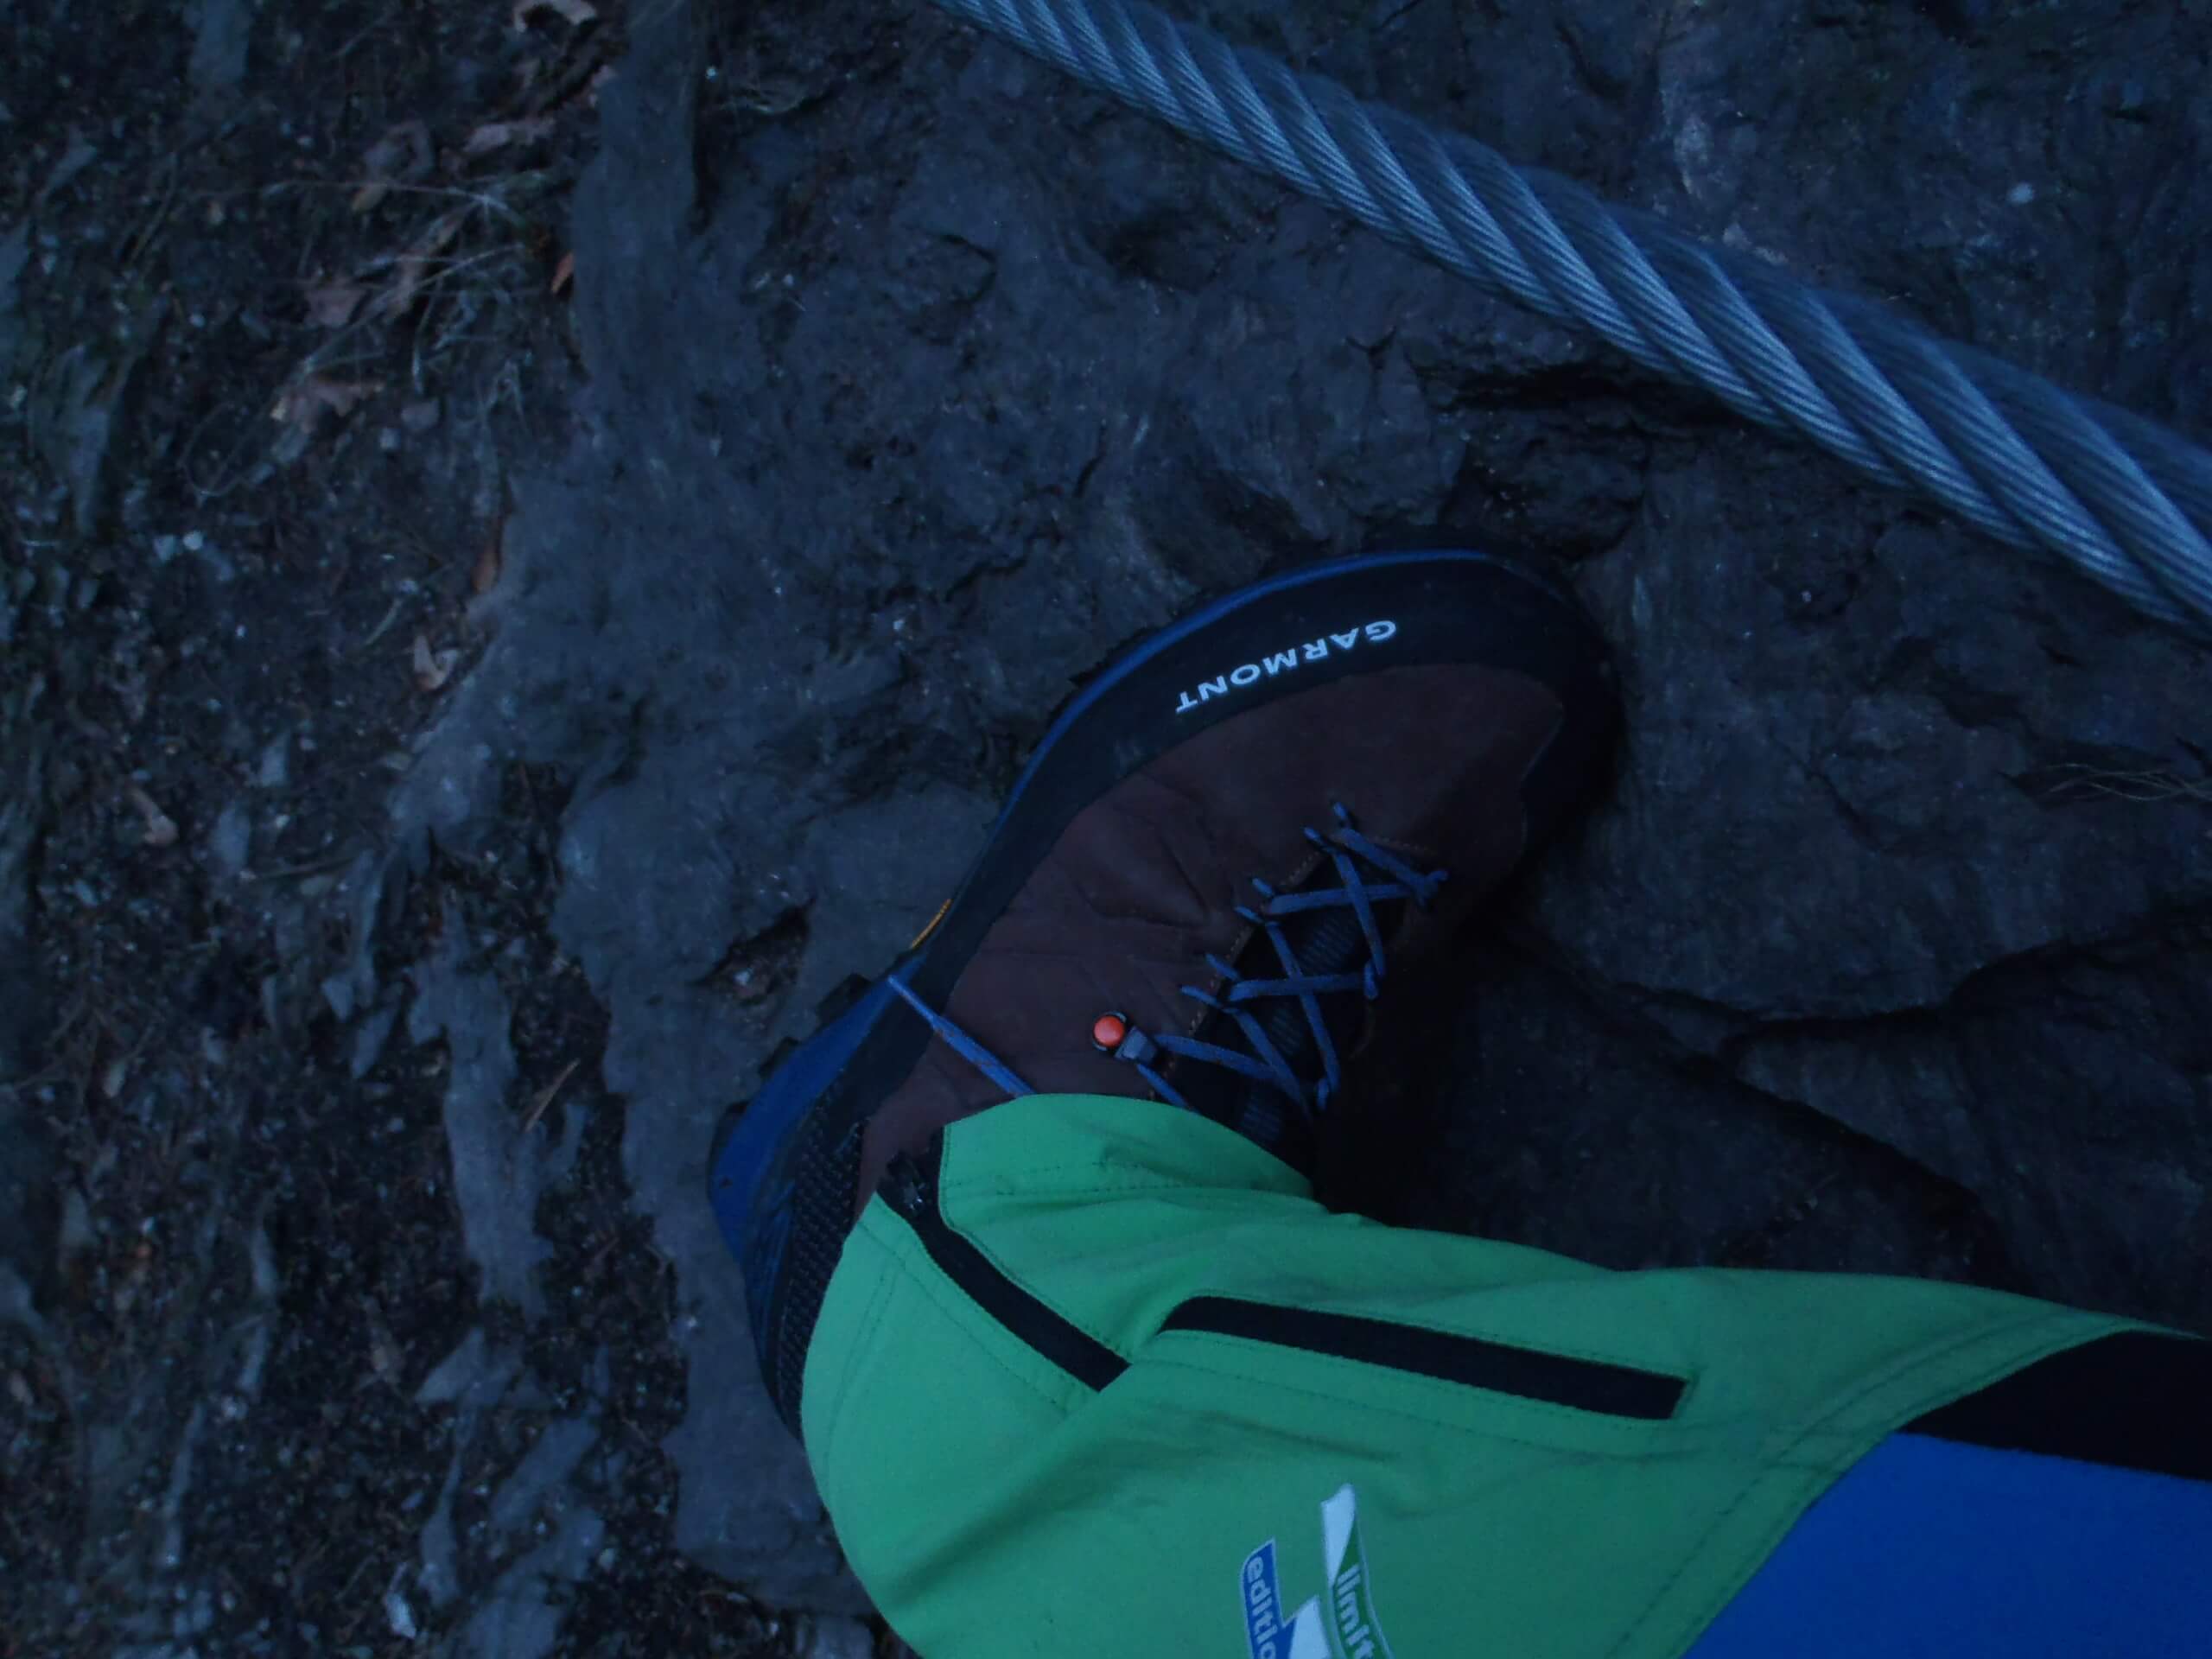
x,y
912,1187
1592,1385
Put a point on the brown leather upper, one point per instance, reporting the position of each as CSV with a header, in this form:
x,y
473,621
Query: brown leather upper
x,y
1144,883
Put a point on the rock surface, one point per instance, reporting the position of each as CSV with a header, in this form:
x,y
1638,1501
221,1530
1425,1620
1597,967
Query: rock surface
x,y
922,378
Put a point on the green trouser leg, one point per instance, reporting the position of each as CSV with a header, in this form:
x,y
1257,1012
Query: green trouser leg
x,y
1124,1388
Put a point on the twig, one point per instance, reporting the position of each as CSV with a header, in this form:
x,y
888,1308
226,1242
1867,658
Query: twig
x,y
321,360
491,204
141,240
376,632
546,1098
2145,788
313,866
186,462
614,1237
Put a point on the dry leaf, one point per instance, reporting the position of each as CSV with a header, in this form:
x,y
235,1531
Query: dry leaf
x,y
485,576
497,135
318,395
331,305
565,272
400,156
413,267
577,12
433,667
161,829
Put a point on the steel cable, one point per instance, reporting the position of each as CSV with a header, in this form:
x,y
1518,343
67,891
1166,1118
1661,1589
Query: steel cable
x,y
2124,500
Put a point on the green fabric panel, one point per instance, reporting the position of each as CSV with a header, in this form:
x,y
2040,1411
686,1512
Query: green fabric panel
x,y
994,1507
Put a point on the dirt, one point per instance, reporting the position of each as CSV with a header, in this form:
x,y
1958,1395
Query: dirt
x,y
266,370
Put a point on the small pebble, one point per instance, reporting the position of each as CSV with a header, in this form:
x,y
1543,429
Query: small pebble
x,y
274,768
2021,194
231,843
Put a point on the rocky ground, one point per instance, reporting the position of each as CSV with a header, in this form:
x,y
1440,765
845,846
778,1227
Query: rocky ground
x,y
535,534
282,310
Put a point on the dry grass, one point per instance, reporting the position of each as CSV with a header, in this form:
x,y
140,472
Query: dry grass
x,y
2077,782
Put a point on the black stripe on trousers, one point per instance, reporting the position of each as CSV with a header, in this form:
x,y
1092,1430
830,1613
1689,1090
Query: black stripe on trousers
x,y
2134,1401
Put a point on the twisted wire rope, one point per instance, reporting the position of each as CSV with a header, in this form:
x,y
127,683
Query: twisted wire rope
x,y
2125,501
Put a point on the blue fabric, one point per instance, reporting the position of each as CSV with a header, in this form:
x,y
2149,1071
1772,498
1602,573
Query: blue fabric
x,y
1932,1549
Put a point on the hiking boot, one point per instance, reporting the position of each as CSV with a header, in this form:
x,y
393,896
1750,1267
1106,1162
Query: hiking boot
x,y
1224,848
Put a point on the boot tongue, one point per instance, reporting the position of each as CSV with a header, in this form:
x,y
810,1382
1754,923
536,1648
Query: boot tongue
x,y
1324,942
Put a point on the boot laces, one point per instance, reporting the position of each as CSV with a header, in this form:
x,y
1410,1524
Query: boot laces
x,y
1367,875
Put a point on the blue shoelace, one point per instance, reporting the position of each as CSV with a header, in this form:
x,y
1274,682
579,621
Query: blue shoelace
x,y
1345,849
